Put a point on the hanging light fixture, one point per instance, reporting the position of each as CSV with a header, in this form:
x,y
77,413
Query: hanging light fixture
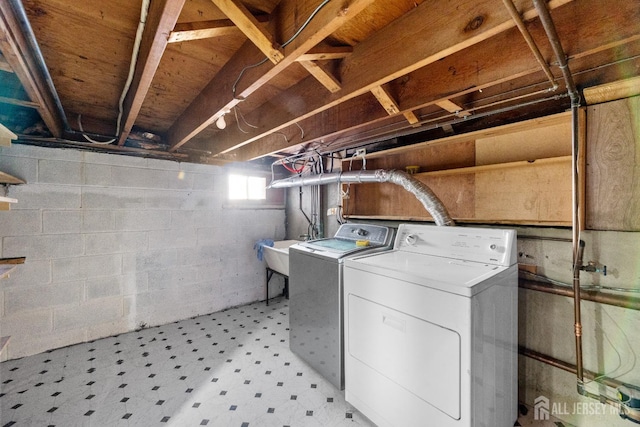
x,y
221,123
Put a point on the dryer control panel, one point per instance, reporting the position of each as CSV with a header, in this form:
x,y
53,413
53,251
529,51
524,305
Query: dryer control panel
x,y
486,245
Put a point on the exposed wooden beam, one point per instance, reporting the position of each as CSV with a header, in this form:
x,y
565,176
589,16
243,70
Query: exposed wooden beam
x,y
447,78
187,31
161,18
15,44
323,52
327,79
6,136
452,107
4,65
386,100
411,117
207,107
250,26
612,91
363,70
19,102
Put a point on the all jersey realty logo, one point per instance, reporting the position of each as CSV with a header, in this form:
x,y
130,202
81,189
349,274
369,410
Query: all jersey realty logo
x,y
543,407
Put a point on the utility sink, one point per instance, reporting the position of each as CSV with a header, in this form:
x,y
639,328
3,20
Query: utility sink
x,y
277,256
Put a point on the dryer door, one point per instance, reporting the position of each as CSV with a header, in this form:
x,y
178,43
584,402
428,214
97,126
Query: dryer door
x,y
419,356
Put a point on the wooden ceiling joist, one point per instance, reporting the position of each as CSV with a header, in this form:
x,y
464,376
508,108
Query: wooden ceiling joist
x,y
327,79
452,107
362,71
4,65
161,18
187,31
207,107
250,26
438,82
323,52
17,51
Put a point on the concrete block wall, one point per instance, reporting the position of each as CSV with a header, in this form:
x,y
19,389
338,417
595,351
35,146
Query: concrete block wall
x,y
114,243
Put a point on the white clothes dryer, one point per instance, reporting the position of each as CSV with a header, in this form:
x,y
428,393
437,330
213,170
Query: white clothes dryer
x,y
431,329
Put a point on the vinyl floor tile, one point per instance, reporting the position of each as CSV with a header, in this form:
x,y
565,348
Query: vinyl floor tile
x,y
229,369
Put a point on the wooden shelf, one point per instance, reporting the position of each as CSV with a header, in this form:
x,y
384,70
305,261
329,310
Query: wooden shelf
x,y
7,265
5,178
517,174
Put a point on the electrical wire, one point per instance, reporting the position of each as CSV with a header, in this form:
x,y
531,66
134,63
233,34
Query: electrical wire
x,y
585,287
285,44
132,67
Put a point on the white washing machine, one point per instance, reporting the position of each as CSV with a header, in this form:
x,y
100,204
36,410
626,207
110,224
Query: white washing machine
x,y
431,329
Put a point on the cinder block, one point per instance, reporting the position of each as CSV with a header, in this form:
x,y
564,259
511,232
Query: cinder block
x,y
198,200
93,221
101,287
180,180
148,261
135,283
109,329
115,160
201,168
21,167
59,172
180,219
208,255
166,199
213,236
166,165
30,324
175,277
31,273
140,220
112,198
208,182
45,196
110,243
93,312
30,298
174,238
20,222
139,178
43,246
37,152
85,267
27,345
65,221
95,174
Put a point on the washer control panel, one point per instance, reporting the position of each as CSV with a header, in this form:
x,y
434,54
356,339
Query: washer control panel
x,y
375,234
486,245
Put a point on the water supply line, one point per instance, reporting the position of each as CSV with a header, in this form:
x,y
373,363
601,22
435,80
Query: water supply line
x,y
429,200
628,401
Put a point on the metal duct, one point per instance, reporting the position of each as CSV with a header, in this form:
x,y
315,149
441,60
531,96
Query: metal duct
x,y
429,200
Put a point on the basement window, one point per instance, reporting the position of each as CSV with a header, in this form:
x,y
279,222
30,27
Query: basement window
x,y
250,191
245,187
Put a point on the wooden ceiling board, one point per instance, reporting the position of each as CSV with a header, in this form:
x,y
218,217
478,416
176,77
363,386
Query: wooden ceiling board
x,y
82,52
205,10
371,20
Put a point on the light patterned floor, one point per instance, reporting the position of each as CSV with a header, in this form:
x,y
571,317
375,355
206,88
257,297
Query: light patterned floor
x,y
231,368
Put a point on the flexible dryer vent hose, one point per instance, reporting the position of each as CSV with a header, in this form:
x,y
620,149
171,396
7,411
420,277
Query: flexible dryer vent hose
x,y
429,200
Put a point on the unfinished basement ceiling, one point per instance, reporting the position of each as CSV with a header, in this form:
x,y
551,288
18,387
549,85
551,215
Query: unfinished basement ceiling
x,y
360,71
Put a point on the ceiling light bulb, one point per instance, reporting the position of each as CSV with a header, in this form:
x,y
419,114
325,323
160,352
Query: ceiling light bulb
x,y
221,123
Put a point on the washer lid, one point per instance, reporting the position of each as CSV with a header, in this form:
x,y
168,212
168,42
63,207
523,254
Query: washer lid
x,y
460,277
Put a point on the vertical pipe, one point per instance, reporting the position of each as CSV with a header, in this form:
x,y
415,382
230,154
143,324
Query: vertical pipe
x,y
578,246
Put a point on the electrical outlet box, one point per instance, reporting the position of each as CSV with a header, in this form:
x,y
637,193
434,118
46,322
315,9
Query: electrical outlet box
x,y
360,152
332,211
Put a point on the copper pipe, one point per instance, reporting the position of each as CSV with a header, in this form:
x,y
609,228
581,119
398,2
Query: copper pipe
x,y
515,15
631,303
578,245
569,367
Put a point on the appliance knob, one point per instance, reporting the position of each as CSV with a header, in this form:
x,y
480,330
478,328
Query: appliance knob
x,y
411,239
493,247
361,232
